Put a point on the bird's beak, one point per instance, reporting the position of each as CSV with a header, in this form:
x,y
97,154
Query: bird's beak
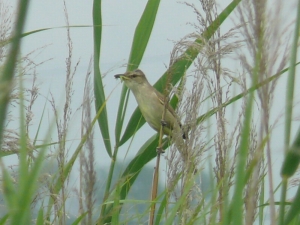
x,y
122,76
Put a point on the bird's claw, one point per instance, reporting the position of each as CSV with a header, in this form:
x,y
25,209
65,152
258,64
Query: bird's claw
x,y
163,123
160,150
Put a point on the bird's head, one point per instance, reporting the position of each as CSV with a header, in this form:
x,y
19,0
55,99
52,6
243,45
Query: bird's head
x,y
133,78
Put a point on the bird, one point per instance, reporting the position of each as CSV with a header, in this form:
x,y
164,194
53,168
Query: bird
x,y
152,103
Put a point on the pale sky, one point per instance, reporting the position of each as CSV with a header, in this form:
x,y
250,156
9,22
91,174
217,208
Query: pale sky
x,y
119,19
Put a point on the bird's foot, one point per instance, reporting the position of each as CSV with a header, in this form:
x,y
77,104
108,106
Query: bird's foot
x,y
163,123
160,150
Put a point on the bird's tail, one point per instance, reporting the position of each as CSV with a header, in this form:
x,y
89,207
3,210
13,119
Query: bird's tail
x,y
182,147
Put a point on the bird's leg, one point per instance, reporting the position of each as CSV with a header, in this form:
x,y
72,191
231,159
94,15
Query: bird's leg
x,y
159,149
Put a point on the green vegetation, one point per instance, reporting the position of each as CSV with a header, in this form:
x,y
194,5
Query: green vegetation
x,y
229,134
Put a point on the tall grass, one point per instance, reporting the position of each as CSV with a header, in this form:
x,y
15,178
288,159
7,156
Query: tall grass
x,y
230,135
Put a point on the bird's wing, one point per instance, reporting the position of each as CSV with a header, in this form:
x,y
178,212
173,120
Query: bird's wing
x,y
169,107
171,110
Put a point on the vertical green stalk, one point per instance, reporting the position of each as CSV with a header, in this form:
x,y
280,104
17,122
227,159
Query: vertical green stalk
x,y
236,208
291,82
289,108
9,67
237,203
261,202
23,163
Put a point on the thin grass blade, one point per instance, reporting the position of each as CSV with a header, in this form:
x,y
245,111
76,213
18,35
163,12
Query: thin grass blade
x,y
294,208
79,219
40,217
140,40
98,84
142,34
6,77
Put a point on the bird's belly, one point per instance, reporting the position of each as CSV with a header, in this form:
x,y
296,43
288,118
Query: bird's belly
x,y
153,115
152,111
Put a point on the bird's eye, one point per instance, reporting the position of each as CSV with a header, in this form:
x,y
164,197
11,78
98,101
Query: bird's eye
x,y
133,76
